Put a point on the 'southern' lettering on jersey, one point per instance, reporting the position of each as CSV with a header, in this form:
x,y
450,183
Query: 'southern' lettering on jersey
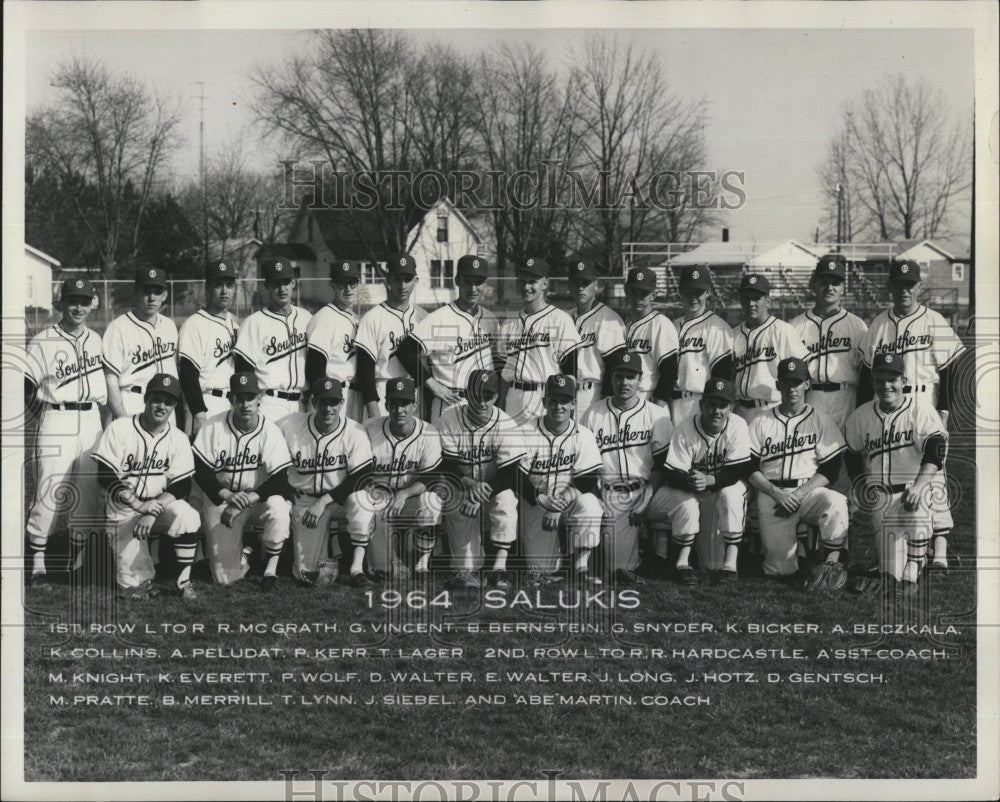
x,y
693,343
397,465
893,437
321,462
223,347
84,364
624,435
830,343
276,346
395,338
588,338
529,338
475,343
792,442
158,350
760,353
903,343
348,346
639,345
225,460
557,460
712,461
148,464
480,453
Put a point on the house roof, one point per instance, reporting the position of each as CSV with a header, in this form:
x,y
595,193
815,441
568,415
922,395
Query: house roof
x,y
42,255
905,247
758,254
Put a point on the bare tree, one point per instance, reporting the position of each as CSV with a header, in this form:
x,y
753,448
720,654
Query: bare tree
x,y
109,132
840,194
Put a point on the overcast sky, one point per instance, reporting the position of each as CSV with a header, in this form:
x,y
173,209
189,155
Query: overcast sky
x,y
774,95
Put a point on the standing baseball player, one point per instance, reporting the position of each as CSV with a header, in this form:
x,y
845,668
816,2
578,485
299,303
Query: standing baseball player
x,y
330,336
381,331
633,435
65,374
241,465
145,465
559,486
928,347
399,493
705,345
760,342
795,455
330,455
833,337
452,341
539,342
206,343
481,449
602,332
707,466
652,336
898,444
138,345
272,345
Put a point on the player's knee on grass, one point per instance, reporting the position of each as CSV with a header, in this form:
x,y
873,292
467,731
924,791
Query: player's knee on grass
x,y
503,518
277,520
584,523
180,518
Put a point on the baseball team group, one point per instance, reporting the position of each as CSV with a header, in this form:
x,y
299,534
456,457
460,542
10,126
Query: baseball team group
x,y
577,445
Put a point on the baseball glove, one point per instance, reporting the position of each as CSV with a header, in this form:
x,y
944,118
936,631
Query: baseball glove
x,y
826,576
866,583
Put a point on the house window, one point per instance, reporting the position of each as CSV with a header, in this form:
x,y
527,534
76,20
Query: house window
x,y
442,273
370,273
442,225
958,271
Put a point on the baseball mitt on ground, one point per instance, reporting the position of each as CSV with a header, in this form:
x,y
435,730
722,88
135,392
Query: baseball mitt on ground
x,y
826,576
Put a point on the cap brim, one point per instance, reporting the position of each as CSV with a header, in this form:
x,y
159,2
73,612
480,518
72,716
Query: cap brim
x,y
719,397
627,369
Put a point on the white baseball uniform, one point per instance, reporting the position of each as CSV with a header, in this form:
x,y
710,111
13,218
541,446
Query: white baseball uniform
x,y
241,461
601,332
532,346
834,345
482,450
550,463
631,442
68,373
148,464
756,354
698,518
136,350
206,341
275,345
703,342
653,337
790,449
893,445
322,462
331,333
380,331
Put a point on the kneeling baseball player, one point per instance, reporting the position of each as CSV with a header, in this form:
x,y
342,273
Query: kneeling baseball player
x,y
241,468
144,463
795,455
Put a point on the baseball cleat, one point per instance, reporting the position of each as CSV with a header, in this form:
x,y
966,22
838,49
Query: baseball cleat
x,y
327,574
726,578
499,579
687,577
187,591
361,580
268,583
587,579
465,580
627,578
40,581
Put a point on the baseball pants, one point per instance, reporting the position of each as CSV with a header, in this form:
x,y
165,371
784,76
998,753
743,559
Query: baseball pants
x,y
749,414
354,407
213,406
274,408
524,405
621,539
465,534
702,518
133,401
225,543
902,535
685,407
837,405
822,508
582,519
436,408
309,545
587,392
420,513
66,475
135,560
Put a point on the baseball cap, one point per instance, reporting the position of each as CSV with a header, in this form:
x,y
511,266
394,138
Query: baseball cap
x,y
277,271
792,370
219,271
164,383
150,277
534,266
887,363
755,282
401,264
326,388
695,278
473,267
345,271
583,271
641,277
244,382
624,360
833,264
560,386
723,389
404,389
77,288
481,381
906,270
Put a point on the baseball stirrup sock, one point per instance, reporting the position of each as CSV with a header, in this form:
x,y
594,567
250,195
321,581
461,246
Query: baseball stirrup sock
x,y
272,551
940,548
500,561
358,560
732,541
684,554
911,571
582,559
185,547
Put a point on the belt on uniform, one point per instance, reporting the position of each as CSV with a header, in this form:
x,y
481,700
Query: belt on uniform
x,y
349,385
751,403
683,394
135,389
786,483
457,391
586,385
283,395
73,405
625,487
829,387
917,388
217,393
892,488
529,386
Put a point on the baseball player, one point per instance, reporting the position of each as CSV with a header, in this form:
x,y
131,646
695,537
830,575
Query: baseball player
x,y
381,331
707,466
145,465
898,444
205,347
481,449
928,347
602,332
760,342
330,455
558,485
452,341
539,342
65,374
138,345
272,345
407,454
330,337
652,336
795,454
833,337
241,465
705,344
633,435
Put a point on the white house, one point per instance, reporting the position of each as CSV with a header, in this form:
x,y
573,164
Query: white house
x,y
38,278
